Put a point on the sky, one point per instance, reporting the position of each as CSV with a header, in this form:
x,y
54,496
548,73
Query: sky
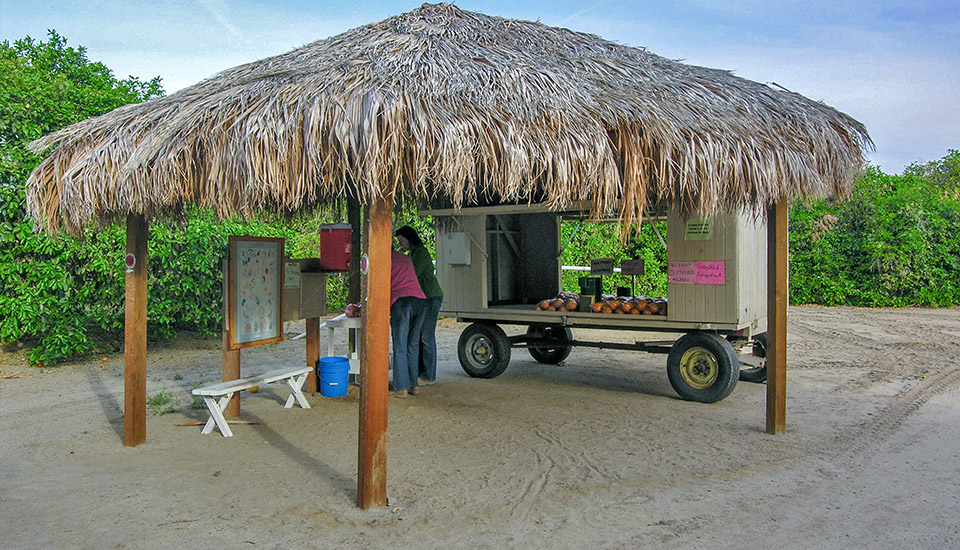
x,y
892,65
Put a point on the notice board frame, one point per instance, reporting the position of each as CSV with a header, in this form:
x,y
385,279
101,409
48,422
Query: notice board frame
x,y
254,291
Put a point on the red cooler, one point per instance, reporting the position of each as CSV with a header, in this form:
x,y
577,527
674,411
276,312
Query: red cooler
x,y
335,247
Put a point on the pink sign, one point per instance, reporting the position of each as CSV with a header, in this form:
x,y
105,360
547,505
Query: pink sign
x,y
710,273
684,273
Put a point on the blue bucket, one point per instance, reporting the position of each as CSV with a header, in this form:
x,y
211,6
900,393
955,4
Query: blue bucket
x,y
334,373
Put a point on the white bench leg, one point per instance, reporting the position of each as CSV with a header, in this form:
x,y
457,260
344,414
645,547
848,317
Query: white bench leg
x,y
216,415
296,385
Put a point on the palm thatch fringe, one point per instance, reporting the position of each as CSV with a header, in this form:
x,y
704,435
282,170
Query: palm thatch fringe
x,y
441,103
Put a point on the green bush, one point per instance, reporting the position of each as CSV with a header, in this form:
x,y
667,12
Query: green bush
x,y
895,242
602,240
64,296
55,291
185,277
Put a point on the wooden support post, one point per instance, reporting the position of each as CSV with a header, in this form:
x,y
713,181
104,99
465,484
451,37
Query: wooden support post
x,y
355,288
230,364
353,218
313,352
231,371
777,298
135,334
374,358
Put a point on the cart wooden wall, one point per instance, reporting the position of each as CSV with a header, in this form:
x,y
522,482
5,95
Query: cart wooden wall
x,y
461,264
468,246
740,242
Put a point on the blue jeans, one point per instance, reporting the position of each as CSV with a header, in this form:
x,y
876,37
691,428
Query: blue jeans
x,y
428,340
406,320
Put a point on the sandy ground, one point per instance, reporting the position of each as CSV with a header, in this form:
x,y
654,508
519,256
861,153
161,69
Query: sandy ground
x,y
598,452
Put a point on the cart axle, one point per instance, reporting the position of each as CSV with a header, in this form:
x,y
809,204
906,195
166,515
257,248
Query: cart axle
x,y
527,341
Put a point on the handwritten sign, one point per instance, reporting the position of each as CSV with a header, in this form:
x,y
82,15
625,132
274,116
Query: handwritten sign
x,y
683,273
710,273
701,273
631,267
291,274
601,266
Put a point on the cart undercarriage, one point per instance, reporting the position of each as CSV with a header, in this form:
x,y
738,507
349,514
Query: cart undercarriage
x,y
702,365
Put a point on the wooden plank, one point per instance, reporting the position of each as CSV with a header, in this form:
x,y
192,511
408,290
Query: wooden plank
x,y
296,393
701,303
777,317
135,335
752,270
229,423
374,358
524,314
539,247
576,207
239,384
230,361
354,219
465,286
313,352
216,416
230,369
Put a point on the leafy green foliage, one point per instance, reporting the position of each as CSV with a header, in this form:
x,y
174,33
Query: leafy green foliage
x,y
54,291
406,214
185,276
894,242
602,240
162,403
943,174
45,86
65,296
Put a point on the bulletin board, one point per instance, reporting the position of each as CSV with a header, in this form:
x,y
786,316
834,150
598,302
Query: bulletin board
x,y
255,283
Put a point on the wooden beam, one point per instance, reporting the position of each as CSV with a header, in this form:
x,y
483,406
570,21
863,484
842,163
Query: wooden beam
x,y
313,352
354,219
374,358
230,370
135,334
355,288
777,299
230,361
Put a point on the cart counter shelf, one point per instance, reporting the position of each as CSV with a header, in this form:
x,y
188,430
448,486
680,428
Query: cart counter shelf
x,y
525,314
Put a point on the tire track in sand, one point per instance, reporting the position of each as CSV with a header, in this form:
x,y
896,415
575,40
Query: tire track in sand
x,y
558,458
889,419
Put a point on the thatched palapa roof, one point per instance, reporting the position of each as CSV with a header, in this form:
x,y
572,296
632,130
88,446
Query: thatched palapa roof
x,y
447,104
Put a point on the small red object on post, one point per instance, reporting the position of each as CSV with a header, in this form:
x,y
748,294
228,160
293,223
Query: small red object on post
x,y
335,247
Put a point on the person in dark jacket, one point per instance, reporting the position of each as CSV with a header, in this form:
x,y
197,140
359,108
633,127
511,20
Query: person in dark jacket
x,y
423,266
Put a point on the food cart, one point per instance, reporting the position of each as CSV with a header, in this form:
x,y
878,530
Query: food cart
x,y
497,264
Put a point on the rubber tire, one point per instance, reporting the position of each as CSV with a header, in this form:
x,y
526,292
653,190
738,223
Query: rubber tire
x,y
723,355
483,350
756,375
551,356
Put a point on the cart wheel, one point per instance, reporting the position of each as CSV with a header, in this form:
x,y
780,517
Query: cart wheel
x,y
483,350
757,375
702,366
552,355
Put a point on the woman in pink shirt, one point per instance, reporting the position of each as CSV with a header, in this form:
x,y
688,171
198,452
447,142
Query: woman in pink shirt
x,y
406,320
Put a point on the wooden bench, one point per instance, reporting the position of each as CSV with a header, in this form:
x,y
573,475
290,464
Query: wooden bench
x,y
224,391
